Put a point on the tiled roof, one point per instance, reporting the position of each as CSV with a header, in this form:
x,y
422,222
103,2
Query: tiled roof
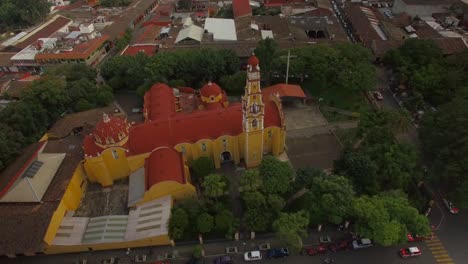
x,y
24,224
450,45
241,8
148,49
159,101
45,32
86,119
210,89
361,23
164,164
285,90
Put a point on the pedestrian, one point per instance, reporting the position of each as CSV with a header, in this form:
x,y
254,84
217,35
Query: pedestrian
x,y
128,252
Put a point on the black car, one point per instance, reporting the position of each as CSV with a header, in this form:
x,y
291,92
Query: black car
x,y
278,253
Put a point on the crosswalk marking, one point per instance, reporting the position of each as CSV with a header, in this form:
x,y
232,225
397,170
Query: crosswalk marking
x,y
438,251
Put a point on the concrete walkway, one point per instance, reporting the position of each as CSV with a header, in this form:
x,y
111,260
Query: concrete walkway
x,y
323,129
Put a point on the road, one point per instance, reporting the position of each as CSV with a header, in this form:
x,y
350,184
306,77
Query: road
x,y
452,230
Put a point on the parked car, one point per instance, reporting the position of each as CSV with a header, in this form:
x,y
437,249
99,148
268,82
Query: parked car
x,y
452,209
325,239
361,243
333,247
343,245
410,252
252,255
311,251
378,95
223,260
277,253
415,238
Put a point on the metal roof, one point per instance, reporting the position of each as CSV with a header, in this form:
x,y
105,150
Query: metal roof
x,y
221,28
191,32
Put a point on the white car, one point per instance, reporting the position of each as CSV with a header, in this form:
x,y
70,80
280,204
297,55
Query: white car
x,y
252,256
361,243
452,209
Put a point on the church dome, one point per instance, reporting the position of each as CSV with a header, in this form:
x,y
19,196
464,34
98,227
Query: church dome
x,y
111,130
253,60
210,89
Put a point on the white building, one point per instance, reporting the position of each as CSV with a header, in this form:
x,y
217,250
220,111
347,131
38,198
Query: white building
x,y
221,28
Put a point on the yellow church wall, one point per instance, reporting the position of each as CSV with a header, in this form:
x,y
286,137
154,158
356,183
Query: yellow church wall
x,y
137,161
70,202
152,241
176,190
116,162
279,137
255,150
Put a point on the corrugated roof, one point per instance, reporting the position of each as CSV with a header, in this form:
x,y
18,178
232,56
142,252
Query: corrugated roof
x,y
221,28
192,32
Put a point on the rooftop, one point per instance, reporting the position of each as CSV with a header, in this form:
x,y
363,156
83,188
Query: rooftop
x,y
24,224
222,29
44,31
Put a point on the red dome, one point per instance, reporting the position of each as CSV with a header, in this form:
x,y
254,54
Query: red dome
x,y
253,60
110,130
210,89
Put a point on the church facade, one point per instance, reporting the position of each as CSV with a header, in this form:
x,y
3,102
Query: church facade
x,y
182,125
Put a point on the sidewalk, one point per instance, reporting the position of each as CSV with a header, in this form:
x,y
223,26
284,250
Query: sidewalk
x,y
183,250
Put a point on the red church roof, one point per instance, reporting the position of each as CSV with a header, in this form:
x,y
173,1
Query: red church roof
x,y
210,89
159,101
167,128
285,90
164,164
110,127
241,8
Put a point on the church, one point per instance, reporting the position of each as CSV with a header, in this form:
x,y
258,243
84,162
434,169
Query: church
x,y
182,125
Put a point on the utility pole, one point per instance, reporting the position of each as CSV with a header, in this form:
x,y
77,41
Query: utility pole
x,y
287,66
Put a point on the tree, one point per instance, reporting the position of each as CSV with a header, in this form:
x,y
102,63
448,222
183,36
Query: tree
x,y
214,186
11,143
388,218
225,222
18,14
393,121
266,51
124,40
276,174
361,169
254,200
204,223
305,177
443,135
257,220
276,202
184,5
114,3
251,180
234,84
178,223
330,199
202,167
290,228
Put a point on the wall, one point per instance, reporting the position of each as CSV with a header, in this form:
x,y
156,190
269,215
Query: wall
x,y
176,190
153,241
70,202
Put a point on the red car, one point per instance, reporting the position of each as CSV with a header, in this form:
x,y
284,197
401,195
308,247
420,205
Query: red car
x,y
415,238
311,251
410,252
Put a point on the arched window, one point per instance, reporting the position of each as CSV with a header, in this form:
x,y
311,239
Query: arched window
x,y
254,123
203,146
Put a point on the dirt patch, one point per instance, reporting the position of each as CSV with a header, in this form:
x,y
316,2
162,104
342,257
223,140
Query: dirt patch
x,y
317,151
99,201
303,116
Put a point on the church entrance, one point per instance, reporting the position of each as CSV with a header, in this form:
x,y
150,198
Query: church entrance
x,y
226,157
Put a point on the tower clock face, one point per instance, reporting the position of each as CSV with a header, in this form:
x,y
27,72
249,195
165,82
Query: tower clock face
x,y
255,75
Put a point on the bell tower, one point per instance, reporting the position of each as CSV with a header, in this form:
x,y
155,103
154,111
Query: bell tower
x,y
253,114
